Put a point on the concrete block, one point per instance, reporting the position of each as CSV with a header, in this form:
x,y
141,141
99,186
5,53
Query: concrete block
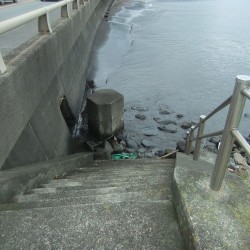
x,y
105,110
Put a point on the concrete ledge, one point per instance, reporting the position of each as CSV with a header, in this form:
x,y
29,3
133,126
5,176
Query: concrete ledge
x,y
208,219
17,180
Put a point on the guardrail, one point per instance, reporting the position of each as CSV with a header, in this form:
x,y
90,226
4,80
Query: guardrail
x,y
229,134
42,14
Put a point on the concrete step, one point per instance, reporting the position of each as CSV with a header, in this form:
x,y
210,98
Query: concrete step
x,y
122,173
108,178
110,166
149,180
149,195
132,163
66,193
124,225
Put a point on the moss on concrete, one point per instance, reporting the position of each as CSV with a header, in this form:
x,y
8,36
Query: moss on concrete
x,y
208,219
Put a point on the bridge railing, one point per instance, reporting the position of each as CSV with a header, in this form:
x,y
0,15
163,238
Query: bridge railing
x,y
44,25
229,134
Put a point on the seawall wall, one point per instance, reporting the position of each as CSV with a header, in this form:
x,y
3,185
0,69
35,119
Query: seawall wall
x,y
40,72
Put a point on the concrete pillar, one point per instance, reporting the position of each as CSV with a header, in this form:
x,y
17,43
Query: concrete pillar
x,y
105,109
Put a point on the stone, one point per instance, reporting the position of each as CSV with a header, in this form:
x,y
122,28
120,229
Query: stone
x,y
168,130
179,116
240,160
149,155
167,122
105,109
149,132
132,144
139,108
148,144
140,117
186,125
180,145
118,148
164,112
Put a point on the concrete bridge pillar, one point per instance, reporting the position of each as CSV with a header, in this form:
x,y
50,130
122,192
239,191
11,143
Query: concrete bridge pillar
x,y
105,109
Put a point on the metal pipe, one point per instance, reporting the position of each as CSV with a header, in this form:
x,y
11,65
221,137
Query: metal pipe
x,y
246,93
220,132
241,140
233,119
198,141
191,136
220,107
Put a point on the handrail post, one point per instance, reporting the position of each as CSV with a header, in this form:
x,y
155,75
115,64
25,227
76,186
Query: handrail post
x,y
3,67
187,141
233,119
199,140
65,11
75,5
44,24
190,141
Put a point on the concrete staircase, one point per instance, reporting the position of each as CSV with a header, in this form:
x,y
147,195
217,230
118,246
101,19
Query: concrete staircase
x,y
107,205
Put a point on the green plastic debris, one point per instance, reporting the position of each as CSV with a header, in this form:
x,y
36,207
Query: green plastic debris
x,y
124,156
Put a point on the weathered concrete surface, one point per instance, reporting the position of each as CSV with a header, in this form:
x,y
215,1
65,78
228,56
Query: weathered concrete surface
x,y
105,112
138,218
40,72
208,219
18,180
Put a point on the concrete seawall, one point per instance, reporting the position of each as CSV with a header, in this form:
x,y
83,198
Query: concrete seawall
x,y
40,72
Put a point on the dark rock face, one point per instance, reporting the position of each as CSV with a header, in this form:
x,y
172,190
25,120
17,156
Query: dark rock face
x,y
179,116
140,117
186,125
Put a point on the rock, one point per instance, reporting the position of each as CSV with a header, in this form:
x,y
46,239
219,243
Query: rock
x,y
246,115
240,160
91,145
129,150
141,151
123,143
180,145
140,117
179,116
160,152
149,155
186,125
164,112
139,108
232,164
167,122
118,148
104,153
214,140
149,132
148,144
166,129
156,119
132,144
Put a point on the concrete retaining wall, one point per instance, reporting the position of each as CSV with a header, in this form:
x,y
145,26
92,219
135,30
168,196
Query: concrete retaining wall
x,y
40,72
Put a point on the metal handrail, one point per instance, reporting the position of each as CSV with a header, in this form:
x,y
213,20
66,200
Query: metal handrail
x,y
42,14
229,133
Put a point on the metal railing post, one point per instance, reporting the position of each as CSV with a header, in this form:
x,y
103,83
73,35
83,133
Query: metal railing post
x,y
65,11
75,5
232,122
190,141
187,141
44,24
3,67
199,139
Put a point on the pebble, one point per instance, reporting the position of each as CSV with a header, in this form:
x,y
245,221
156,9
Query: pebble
x,y
164,112
167,122
139,108
179,116
140,117
186,125
168,130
